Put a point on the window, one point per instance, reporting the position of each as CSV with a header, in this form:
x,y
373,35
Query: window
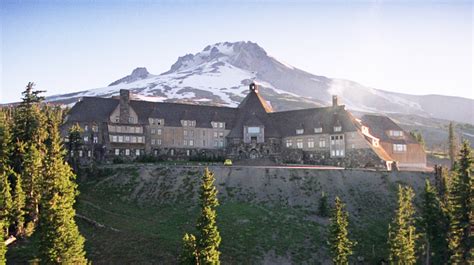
x,y
322,142
131,119
337,128
117,119
299,143
188,152
399,147
318,130
153,131
288,143
299,131
191,142
95,128
221,125
137,152
216,143
185,132
80,153
114,138
215,134
134,139
172,152
221,134
396,133
138,130
127,139
191,133
221,143
89,153
185,123
253,129
120,139
158,141
117,152
185,142
86,127
158,131
127,152
139,139
310,143
66,139
86,139
119,128
96,140
153,141
160,121
337,139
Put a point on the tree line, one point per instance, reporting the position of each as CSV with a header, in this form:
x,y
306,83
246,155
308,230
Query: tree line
x,y
38,187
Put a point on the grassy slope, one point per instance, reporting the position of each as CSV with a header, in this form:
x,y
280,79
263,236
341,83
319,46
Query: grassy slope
x,y
150,232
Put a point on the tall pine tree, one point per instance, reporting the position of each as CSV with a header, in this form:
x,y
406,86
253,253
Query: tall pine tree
x,y
402,234
339,243
28,135
6,203
61,242
452,144
209,238
434,224
74,145
460,205
207,242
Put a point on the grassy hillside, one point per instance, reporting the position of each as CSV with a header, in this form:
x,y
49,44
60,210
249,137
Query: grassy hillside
x,y
138,214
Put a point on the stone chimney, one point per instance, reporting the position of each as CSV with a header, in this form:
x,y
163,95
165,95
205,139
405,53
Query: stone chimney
x,y
335,101
124,105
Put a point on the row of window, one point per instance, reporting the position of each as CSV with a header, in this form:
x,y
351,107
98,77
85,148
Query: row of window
x,y
154,121
94,128
116,119
94,139
125,129
81,153
190,142
337,139
310,143
155,131
399,147
126,139
128,152
219,125
394,133
319,130
188,123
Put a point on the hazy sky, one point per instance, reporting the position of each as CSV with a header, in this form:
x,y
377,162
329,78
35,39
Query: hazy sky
x,y
422,47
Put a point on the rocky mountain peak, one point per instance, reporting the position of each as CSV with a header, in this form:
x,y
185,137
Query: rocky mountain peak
x,y
137,74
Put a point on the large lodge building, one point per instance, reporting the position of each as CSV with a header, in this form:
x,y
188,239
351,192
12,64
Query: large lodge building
x,y
126,129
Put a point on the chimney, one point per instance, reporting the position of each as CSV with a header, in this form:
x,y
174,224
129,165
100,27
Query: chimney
x,y
335,101
124,106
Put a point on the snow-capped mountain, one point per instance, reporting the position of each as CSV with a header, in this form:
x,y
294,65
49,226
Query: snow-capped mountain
x,y
220,74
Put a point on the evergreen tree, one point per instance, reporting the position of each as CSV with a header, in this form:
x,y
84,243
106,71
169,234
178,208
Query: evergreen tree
x,y
339,243
460,205
418,137
434,224
75,143
189,255
452,144
323,208
6,203
209,238
3,248
28,135
402,234
18,207
61,242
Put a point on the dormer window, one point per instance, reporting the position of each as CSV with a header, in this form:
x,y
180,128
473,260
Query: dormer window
x,y
253,130
188,123
299,131
131,120
337,128
396,133
154,121
218,125
318,130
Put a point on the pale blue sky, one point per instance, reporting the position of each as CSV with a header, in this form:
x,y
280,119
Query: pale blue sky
x,y
64,46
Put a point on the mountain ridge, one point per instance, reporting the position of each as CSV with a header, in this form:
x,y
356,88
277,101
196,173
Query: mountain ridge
x,y
219,75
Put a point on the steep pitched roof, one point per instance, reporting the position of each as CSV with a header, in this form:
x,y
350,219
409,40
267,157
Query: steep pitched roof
x,y
92,109
379,125
326,118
